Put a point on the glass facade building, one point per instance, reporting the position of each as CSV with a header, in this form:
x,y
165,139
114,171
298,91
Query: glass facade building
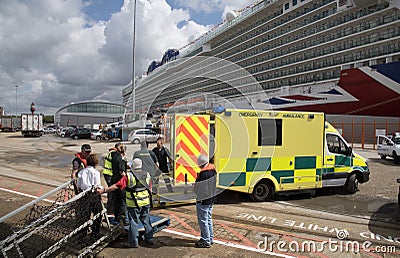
x,y
89,113
96,107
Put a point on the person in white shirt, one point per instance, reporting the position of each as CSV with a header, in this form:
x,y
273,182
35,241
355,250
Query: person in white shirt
x,y
87,178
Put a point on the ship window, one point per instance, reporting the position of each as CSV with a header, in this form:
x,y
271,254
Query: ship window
x,y
270,132
286,6
294,2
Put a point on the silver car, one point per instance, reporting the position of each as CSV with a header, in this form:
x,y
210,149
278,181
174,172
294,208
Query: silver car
x,y
139,135
96,135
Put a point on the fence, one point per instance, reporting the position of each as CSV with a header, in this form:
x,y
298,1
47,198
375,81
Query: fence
x,y
55,227
363,130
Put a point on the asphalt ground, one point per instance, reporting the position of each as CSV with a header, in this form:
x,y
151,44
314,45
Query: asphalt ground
x,y
242,227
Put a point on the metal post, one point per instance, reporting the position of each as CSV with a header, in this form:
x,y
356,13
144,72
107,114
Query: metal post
x,y
375,137
133,61
387,126
185,190
352,132
362,134
398,125
342,126
16,100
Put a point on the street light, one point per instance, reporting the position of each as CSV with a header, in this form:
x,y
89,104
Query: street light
x,y
133,61
16,99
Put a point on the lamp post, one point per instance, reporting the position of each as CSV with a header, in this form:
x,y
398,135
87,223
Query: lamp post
x,y
133,61
16,100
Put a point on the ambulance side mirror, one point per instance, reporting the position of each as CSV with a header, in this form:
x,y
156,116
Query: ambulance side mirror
x,y
349,151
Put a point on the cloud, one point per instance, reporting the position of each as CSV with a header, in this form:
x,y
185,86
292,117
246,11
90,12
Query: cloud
x,y
57,55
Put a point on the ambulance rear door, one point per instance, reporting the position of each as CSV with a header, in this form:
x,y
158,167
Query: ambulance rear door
x,y
190,139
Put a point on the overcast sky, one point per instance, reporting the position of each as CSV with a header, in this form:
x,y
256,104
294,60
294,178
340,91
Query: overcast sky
x,y
63,51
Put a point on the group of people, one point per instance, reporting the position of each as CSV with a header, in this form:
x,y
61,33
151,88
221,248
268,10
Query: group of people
x,y
130,186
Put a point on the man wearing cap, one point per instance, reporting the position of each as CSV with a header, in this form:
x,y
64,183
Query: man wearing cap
x,y
205,189
136,184
79,162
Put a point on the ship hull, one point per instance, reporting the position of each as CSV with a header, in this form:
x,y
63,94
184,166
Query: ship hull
x,y
370,91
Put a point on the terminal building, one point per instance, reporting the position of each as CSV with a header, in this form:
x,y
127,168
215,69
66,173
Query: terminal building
x,y
89,114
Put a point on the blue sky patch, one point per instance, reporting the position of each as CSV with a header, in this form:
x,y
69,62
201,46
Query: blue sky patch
x,y
101,10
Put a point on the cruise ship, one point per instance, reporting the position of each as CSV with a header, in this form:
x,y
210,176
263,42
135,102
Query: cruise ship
x,y
333,56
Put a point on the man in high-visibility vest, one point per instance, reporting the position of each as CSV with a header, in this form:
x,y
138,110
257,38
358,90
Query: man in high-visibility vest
x,y
108,172
115,168
137,201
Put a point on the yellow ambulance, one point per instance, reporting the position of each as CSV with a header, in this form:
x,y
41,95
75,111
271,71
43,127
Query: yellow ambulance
x,y
264,152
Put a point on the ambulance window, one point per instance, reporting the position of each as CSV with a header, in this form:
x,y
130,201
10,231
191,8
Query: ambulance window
x,y
336,144
270,132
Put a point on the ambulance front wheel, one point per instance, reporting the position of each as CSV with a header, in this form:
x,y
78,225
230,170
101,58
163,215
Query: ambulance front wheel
x,y
262,192
352,184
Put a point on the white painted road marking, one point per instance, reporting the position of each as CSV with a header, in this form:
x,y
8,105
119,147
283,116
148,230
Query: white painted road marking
x,y
243,247
24,194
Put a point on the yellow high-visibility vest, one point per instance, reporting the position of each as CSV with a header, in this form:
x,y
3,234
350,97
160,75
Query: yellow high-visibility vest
x,y
137,191
108,164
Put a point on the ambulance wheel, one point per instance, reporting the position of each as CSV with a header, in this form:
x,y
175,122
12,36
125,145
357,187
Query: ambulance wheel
x,y
262,192
383,156
352,184
136,141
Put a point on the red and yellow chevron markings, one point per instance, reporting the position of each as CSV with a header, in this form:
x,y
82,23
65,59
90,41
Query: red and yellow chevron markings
x,y
192,138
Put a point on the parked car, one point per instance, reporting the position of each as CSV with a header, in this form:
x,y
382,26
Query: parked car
x,y
139,135
96,135
49,130
65,132
58,131
389,146
81,133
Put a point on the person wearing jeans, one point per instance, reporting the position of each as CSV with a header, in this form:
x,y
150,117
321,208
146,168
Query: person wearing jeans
x,y
135,216
205,189
136,185
204,218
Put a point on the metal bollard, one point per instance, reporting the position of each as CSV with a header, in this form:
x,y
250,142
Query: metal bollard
x,y
185,189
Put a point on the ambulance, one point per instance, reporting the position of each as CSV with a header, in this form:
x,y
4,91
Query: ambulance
x,y
265,152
